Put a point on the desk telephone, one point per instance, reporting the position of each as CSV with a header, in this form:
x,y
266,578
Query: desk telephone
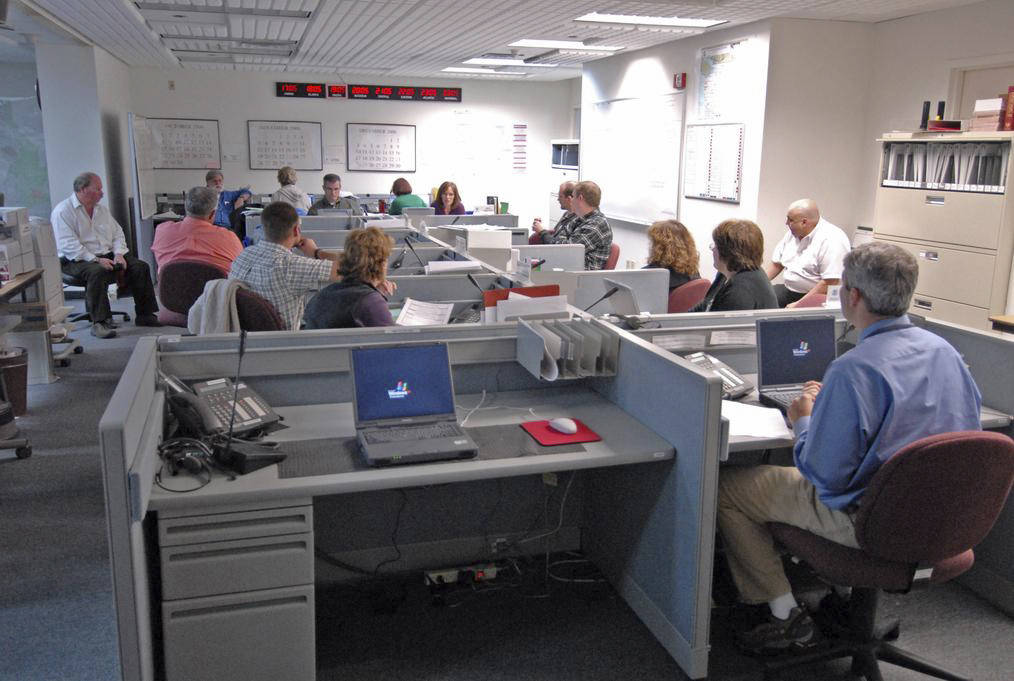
x,y
205,409
733,385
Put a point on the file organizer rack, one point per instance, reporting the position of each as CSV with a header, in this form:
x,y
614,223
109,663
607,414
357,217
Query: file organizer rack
x,y
566,349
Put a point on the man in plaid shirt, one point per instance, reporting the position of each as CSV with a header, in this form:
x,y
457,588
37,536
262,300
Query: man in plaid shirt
x,y
275,273
589,228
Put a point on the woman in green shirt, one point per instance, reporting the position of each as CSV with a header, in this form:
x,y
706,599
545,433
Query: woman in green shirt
x,y
404,198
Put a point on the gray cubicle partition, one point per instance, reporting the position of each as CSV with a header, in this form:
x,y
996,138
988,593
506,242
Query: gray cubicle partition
x,y
447,227
567,257
335,239
651,287
989,356
647,518
446,287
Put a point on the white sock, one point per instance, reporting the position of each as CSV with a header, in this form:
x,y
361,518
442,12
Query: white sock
x,y
783,605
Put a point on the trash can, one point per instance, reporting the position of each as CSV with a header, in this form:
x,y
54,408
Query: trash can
x,y
14,365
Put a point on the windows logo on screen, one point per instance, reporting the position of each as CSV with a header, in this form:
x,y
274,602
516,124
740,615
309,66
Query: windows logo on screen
x,y
802,351
400,391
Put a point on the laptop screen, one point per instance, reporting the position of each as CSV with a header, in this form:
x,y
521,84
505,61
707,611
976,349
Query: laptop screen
x,y
791,351
402,382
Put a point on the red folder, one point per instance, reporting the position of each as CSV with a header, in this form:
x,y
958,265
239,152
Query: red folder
x,y
491,298
545,435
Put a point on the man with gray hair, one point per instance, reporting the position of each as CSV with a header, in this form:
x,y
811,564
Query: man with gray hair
x,y
810,254
195,237
92,247
899,384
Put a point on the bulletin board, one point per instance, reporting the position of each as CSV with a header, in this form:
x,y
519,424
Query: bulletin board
x,y
274,144
380,147
187,143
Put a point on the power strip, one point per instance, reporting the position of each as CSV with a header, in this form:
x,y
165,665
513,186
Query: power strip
x,y
471,574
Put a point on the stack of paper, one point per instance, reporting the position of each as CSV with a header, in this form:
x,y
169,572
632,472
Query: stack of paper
x,y
988,114
443,266
419,313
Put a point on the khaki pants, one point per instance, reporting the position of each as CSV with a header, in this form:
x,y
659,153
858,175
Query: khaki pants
x,y
749,497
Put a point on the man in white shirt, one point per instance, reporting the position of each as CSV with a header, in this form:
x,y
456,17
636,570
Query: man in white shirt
x,y
92,247
811,254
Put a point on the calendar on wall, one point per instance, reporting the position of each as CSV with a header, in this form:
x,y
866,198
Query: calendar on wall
x,y
187,143
274,144
380,147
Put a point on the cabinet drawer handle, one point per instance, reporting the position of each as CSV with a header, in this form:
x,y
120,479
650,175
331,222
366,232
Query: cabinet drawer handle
x,y
923,304
929,255
934,200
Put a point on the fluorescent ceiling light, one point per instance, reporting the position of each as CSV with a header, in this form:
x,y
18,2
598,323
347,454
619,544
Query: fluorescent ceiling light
x,y
586,53
465,69
634,20
564,44
487,61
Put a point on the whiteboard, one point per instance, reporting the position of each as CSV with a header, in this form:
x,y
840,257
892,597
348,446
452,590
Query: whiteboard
x,y
713,166
184,143
380,147
274,144
631,149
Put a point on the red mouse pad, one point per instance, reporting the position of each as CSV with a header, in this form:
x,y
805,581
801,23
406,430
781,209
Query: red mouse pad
x,y
545,435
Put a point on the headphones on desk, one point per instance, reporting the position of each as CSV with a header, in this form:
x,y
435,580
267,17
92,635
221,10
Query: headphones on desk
x,y
187,455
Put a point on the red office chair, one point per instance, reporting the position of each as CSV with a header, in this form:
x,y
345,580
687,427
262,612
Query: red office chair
x,y
812,299
180,283
256,313
928,505
614,257
683,298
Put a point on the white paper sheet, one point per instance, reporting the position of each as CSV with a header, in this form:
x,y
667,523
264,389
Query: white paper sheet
x,y
419,313
748,420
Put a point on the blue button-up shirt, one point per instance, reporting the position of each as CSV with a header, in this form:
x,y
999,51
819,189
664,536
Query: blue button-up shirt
x,y
899,384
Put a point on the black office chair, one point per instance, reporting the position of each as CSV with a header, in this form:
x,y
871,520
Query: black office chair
x,y
71,280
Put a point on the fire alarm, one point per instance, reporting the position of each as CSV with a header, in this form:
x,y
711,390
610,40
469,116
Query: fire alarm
x,y
679,80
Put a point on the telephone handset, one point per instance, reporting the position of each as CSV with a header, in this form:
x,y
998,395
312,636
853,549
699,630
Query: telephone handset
x,y
206,407
733,385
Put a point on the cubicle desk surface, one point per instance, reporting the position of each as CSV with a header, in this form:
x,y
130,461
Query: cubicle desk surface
x,y
624,441
990,419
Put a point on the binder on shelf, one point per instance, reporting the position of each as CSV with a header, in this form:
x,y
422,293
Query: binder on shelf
x,y
557,349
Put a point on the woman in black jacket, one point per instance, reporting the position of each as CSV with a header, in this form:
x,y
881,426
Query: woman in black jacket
x,y
738,249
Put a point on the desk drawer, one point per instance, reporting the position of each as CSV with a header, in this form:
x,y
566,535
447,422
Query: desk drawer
x,y
226,567
214,527
933,215
260,636
948,311
950,274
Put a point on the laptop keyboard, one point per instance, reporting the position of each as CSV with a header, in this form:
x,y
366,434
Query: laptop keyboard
x,y
436,430
784,397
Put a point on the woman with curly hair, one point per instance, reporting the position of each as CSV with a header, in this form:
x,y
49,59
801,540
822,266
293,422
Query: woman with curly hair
x,y
673,249
360,298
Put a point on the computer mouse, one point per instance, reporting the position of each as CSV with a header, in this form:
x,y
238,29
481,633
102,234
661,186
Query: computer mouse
x,y
563,425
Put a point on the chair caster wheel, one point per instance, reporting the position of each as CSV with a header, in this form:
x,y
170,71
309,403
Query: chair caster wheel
x,y
79,350
23,452
63,363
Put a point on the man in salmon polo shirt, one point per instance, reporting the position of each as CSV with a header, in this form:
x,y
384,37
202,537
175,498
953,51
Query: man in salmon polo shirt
x,y
196,237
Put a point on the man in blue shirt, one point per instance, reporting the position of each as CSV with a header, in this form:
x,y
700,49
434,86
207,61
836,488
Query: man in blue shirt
x,y
899,384
229,201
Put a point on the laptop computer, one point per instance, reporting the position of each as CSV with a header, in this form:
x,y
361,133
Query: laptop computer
x,y
791,352
404,406
624,301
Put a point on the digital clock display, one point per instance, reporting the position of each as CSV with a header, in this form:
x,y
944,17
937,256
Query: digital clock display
x,y
405,93
336,90
311,90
